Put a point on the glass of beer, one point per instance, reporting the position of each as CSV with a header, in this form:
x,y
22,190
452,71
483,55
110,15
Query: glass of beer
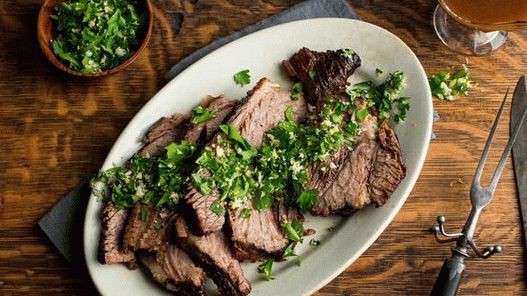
x,y
478,27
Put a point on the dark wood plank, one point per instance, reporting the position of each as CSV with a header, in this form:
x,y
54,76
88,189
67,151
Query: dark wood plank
x,y
56,128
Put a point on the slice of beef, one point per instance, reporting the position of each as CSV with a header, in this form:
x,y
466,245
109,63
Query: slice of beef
x,y
341,170
322,74
176,128
388,168
256,236
143,228
169,265
370,175
172,267
263,108
203,132
165,131
111,250
211,251
350,187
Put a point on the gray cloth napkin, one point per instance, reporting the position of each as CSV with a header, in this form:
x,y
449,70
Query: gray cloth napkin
x,y
63,224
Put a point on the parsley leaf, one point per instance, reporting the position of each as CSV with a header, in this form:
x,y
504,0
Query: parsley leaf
x,y
347,52
307,199
296,90
201,114
144,215
266,268
245,213
294,231
446,86
312,74
232,132
289,251
362,114
178,152
242,78
378,71
217,208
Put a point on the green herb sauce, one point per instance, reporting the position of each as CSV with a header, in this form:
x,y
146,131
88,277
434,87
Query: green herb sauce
x,y
96,35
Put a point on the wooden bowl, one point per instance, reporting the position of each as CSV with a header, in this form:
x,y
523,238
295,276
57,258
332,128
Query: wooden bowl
x,y
46,33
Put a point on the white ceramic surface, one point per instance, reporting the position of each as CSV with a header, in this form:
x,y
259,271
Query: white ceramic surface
x,y
262,53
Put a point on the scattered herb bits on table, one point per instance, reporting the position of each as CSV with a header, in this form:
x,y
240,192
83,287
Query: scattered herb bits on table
x,y
96,35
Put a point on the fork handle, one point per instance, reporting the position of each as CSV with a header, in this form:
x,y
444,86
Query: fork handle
x,y
449,277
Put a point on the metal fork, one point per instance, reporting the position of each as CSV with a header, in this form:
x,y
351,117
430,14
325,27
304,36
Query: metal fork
x,y
450,275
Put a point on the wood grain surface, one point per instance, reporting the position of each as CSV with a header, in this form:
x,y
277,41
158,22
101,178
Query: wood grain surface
x,y
55,128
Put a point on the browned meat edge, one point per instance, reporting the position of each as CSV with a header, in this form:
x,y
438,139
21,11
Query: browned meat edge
x,y
172,267
111,250
211,251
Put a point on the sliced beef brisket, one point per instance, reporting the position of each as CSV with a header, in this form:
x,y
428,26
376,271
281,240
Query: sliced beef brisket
x,y
322,74
165,131
256,236
111,250
388,169
143,228
369,175
353,176
172,267
211,251
221,107
263,108
176,128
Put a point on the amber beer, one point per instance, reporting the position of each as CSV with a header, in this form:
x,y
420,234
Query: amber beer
x,y
488,15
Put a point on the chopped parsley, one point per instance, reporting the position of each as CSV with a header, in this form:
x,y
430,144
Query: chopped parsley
x,y
217,209
384,99
266,269
201,114
294,231
313,74
378,71
446,86
157,181
242,78
347,52
307,199
289,251
245,213
96,35
144,215
296,90
362,114
279,167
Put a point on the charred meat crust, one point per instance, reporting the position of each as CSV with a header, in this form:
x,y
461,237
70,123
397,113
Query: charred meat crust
x,y
322,74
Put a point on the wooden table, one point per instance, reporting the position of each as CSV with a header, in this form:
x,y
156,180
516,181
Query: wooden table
x,y
54,128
